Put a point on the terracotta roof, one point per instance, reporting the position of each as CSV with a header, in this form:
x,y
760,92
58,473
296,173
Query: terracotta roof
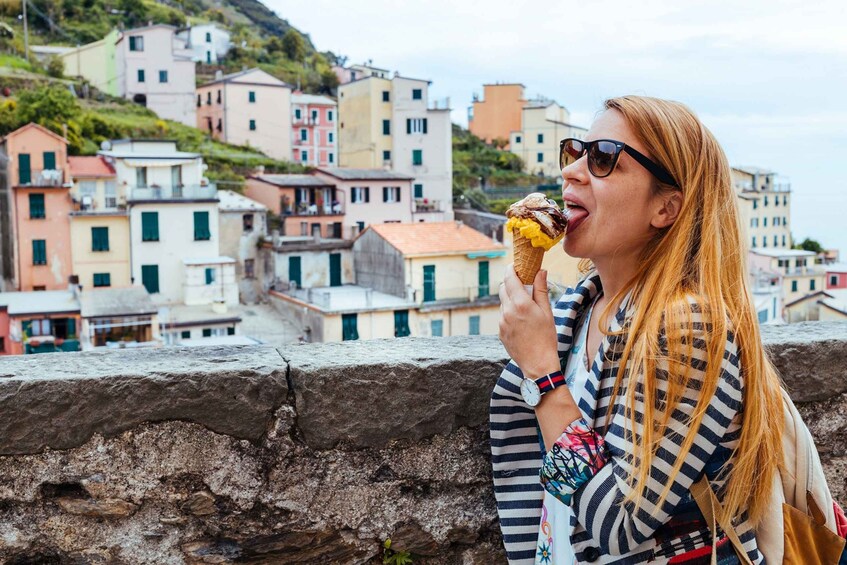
x,y
90,167
36,126
435,238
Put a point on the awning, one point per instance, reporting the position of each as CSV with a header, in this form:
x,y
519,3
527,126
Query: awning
x,y
158,162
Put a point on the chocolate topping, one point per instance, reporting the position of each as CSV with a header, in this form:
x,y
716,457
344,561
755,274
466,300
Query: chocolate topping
x,y
544,211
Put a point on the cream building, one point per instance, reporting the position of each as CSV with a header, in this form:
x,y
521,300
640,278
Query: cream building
x,y
247,108
793,270
99,225
243,227
96,62
391,123
544,123
764,204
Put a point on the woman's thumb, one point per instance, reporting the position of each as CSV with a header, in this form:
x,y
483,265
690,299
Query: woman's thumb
x,y
539,289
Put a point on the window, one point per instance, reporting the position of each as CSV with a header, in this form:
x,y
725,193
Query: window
x,y
252,125
247,222
150,278
429,283
349,329
330,137
304,155
39,252
540,138
37,327
201,226
249,268
149,226
385,96
210,275
102,279
391,194
484,283
359,194
219,96
766,200
833,280
401,323
793,286
335,269
251,96
517,139
417,94
437,328
208,37
136,43
416,125
812,284
207,332
386,155
329,117
304,135
386,127
297,113
473,325
360,226
142,78
540,157
294,273
783,240
331,158
784,200
141,177
230,330
49,159
24,171
36,207
775,241
754,241
418,191
99,239
314,116
417,156
765,222
186,334
163,77
755,204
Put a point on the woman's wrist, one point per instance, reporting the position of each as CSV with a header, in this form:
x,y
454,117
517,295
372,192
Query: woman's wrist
x,y
538,370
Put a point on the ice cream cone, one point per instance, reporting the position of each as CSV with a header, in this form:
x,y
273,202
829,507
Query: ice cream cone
x,y
527,258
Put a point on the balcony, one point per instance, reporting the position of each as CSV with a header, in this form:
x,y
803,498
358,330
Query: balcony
x,y
427,205
304,121
175,192
42,177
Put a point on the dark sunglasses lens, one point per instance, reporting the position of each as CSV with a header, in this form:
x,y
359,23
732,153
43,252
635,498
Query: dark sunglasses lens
x,y
601,158
571,151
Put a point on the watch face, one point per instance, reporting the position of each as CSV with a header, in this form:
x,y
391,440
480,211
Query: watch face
x,y
530,392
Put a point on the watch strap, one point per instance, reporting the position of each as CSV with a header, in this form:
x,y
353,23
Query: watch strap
x,y
550,381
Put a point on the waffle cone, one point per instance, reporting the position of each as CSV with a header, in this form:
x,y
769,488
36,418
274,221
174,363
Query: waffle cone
x,y
527,258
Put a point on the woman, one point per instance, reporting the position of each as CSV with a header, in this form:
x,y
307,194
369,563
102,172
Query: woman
x,y
660,331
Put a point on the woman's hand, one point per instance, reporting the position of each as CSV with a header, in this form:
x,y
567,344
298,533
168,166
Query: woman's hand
x,y
527,329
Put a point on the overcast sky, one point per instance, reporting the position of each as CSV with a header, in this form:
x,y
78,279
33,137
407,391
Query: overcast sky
x,y
768,77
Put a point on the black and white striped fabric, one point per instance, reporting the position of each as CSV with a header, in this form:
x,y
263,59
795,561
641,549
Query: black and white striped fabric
x,y
605,529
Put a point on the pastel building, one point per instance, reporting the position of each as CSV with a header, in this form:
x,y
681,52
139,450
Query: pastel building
x,y
498,113
356,72
243,227
173,213
39,322
99,225
391,123
793,270
544,123
764,203
208,43
118,318
35,210
97,62
314,131
371,196
836,276
247,108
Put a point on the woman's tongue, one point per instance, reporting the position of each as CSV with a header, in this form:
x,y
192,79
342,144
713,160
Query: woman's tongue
x,y
576,215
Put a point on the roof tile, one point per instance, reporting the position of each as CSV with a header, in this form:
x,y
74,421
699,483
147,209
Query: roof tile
x,y
424,238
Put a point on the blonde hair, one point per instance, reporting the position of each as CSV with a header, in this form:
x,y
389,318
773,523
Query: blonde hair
x,y
701,254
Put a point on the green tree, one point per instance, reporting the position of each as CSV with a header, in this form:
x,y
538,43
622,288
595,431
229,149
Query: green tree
x,y
329,81
810,245
47,104
55,67
294,46
134,11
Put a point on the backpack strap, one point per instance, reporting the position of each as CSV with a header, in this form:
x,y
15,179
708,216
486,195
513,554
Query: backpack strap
x,y
708,504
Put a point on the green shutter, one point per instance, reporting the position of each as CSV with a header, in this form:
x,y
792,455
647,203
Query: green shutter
x,y
207,332
24,169
408,125
418,191
429,283
50,160
102,279
230,330
424,125
483,279
150,278
473,325
26,327
72,328
401,323
186,334
39,252
386,127
335,269
201,226
36,206
251,96
210,275
149,226
417,156
349,327
437,328
99,239
294,271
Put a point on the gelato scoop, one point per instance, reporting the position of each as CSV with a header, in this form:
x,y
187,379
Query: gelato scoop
x,y
537,224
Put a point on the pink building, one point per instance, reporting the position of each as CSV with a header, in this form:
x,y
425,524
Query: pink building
x,y
314,135
37,175
836,276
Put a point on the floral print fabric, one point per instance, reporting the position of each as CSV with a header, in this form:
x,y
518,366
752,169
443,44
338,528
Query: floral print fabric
x,y
577,455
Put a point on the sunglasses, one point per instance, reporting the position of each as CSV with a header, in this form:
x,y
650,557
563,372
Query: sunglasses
x,y
603,156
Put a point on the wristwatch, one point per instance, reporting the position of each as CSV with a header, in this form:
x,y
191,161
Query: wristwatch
x,y
533,390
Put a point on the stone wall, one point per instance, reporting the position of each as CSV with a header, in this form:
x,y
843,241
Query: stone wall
x,y
309,454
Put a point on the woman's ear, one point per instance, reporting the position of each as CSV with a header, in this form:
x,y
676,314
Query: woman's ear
x,y
669,206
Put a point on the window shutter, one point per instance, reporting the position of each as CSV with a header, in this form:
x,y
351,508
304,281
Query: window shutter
x,y
385,194
50,160
367,194
210,275
201,226
424,125
149,226
24,171
408,125
36,206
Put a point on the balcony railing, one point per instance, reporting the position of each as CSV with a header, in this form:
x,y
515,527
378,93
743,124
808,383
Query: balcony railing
x,y
424,296
41,177
175,192
304,121
305,209
427,205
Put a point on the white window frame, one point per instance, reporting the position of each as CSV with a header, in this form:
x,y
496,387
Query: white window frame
x,y
357,195
416,125
393,195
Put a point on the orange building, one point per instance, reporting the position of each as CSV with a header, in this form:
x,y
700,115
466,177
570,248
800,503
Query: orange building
x,y
498,114
38,181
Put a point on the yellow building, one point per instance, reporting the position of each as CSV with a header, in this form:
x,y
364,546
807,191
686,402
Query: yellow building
x,y
544,123
365,135
764,205
99,225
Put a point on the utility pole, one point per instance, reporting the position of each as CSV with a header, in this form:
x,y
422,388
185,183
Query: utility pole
x,y
26,35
